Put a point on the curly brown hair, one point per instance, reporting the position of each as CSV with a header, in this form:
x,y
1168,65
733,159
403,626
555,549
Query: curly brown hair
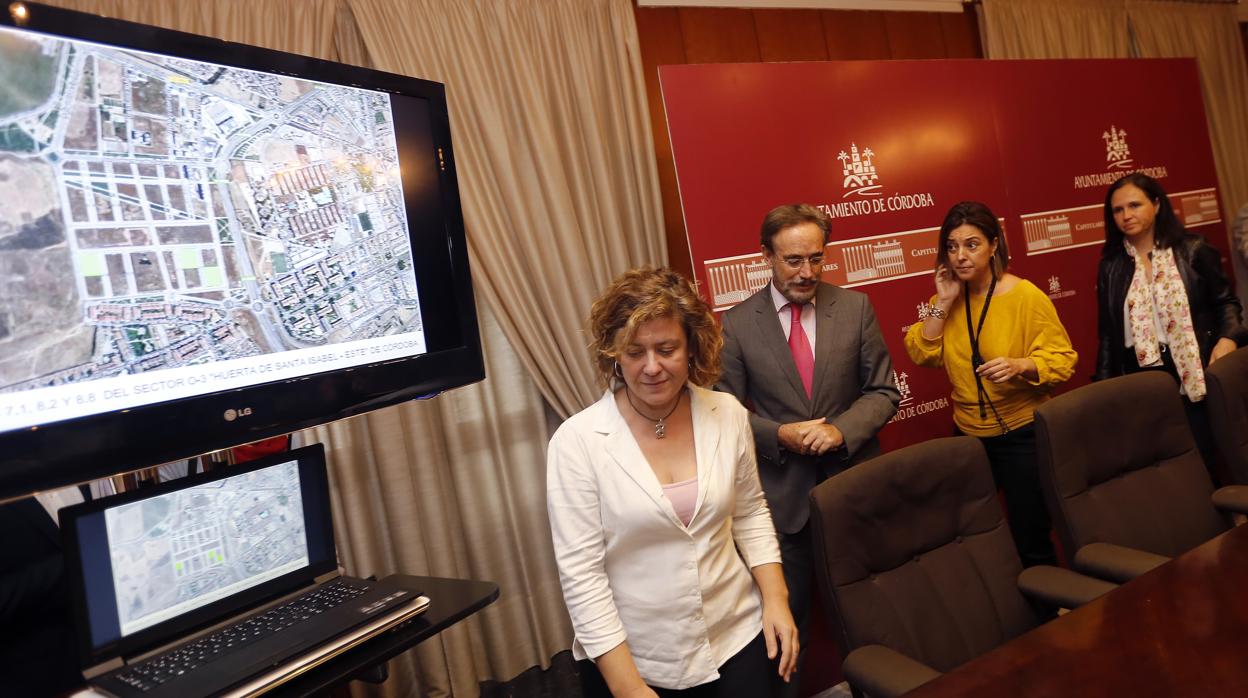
x,y
640,295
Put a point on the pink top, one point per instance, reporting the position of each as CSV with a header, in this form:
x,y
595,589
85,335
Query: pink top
x,y
684,498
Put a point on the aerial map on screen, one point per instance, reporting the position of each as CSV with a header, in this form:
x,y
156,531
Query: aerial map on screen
x,y
170,228
179,551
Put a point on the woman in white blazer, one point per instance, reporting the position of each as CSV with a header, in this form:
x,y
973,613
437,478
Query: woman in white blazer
x,y
652,491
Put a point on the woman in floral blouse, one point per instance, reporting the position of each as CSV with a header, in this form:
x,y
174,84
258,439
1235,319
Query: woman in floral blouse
x,y
1164,302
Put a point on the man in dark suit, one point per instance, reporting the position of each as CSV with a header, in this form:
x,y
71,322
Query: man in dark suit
x,y
38,646
809,361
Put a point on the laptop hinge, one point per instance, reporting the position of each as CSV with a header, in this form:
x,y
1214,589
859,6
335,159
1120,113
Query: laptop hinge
x,y
326,577
94,671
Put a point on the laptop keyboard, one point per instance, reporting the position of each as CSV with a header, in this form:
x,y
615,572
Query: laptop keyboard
x,y
154,671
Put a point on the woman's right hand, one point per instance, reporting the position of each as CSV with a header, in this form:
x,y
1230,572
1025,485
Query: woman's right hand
x,y
947,286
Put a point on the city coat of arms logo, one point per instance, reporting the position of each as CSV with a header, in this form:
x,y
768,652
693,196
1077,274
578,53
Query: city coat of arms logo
x,y
859,172
1117,153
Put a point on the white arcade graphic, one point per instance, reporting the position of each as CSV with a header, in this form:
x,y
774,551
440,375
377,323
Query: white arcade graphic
x,y
874,260
1198,208
735,281
1048,232
854,262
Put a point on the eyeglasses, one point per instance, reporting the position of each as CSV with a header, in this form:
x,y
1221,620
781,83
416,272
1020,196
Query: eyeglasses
x,y
815,261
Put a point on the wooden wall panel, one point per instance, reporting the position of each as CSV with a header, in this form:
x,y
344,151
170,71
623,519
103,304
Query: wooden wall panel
x,y
790,35
855,35
961,34
914,35
661,43
676,36
1243,29
714,35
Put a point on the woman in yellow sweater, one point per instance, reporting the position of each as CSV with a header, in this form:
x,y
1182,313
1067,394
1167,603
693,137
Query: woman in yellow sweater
x,y
1004,348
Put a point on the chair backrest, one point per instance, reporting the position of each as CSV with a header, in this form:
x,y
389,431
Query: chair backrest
x,y
1118,464
1227,379
912,552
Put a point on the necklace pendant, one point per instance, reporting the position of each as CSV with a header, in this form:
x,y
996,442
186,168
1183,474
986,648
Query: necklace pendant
x,y
660,429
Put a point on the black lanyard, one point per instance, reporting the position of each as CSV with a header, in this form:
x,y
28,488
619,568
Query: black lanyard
x,y
975,333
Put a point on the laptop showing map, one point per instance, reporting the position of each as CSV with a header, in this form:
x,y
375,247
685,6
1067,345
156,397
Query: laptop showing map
x,y
223,583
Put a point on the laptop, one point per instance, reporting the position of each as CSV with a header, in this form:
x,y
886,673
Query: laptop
x,y
222,583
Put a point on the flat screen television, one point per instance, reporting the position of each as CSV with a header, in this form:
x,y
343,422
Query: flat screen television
x,y
204,243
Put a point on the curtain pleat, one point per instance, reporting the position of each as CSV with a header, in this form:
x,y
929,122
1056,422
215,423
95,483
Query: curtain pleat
x,y
554,154
1210,34
1055,29
455,487
305,27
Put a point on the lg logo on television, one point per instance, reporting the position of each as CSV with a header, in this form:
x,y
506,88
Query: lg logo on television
x,y
232,414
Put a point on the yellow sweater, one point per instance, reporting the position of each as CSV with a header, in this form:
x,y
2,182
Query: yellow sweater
x,y
1021,322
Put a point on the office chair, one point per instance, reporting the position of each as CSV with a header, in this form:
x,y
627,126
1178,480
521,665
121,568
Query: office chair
x,y
1227,380
1122,478
918,568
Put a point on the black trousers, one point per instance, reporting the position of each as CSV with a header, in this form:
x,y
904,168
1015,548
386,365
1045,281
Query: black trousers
x,y
1197,412
1016,473
744,675
797,557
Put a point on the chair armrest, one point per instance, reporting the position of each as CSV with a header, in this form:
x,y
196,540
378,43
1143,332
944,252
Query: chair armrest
x,y
882,672
1061,588
1232,498
1116,563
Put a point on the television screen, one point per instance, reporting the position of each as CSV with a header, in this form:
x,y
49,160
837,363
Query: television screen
x,y
204,243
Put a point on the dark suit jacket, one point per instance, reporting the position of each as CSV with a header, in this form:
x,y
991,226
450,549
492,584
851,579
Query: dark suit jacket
x,y
38,650
853,388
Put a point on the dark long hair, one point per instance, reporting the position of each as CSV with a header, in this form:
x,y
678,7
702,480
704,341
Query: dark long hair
x,y
1167,230
980,216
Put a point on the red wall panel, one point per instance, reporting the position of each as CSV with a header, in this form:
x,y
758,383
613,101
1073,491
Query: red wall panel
x,y
675,36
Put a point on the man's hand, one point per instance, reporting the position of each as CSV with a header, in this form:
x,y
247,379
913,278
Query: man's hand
x,y
814,437
822,438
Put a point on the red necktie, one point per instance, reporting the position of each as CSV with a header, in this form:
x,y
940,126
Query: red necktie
x,y
799,346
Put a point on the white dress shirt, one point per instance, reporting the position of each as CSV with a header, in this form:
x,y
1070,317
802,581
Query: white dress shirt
x,y
682,597
786,315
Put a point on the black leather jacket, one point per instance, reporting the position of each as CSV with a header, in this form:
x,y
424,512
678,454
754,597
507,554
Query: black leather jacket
x,y
1216,312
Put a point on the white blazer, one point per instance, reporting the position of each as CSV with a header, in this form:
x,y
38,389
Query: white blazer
x,y
683,598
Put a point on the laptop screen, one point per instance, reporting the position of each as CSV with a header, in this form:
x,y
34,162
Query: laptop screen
x,y
155,563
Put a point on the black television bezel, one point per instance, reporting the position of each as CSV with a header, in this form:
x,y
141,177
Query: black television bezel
x,y
311,461
81,449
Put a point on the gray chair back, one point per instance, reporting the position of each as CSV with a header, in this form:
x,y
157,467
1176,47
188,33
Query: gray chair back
x,y
1227,380
912,553
1118,464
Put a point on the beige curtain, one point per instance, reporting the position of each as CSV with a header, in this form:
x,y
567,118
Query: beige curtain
x,y
297,26
1055,29
455,487
1210,34
555,158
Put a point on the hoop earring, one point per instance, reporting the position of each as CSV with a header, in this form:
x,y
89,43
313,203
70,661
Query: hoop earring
x,y
617,371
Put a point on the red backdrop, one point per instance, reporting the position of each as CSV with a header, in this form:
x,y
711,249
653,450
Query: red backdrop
x,y
886,147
